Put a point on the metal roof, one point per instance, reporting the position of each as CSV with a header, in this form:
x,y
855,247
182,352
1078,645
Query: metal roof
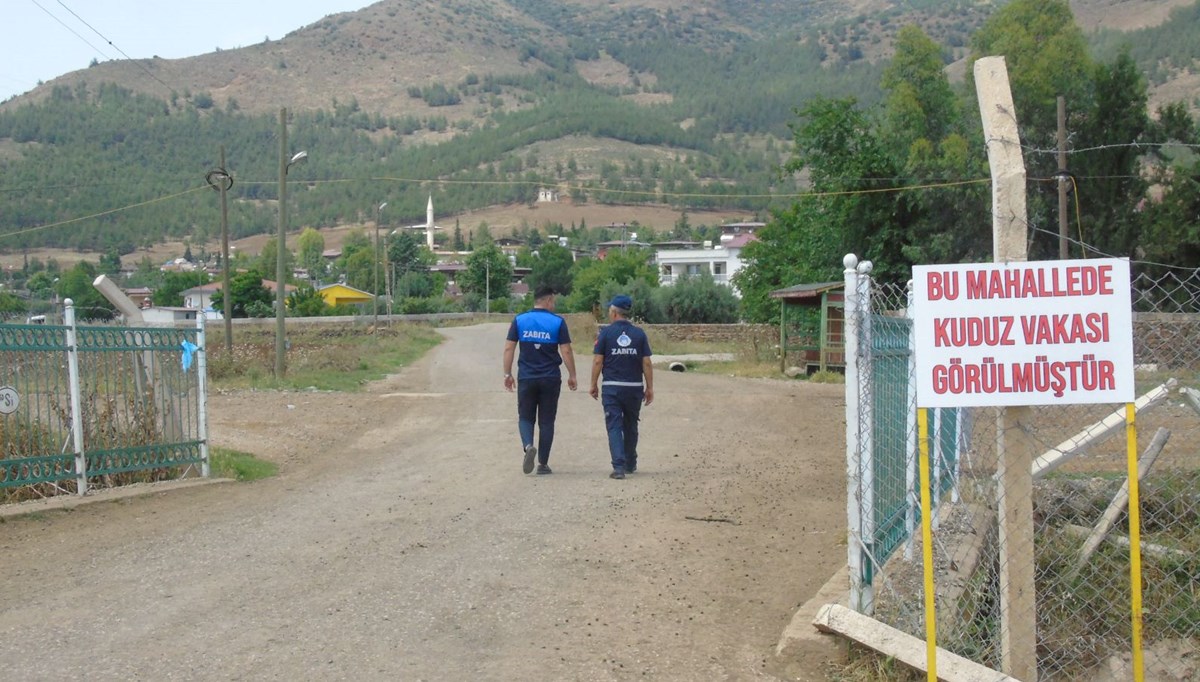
x,y
801,292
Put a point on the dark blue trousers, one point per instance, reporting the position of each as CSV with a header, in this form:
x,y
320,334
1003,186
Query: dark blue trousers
x,y
537,401
622,407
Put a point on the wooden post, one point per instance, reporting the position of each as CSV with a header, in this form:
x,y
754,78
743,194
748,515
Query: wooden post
x,y
1063,251
1015,447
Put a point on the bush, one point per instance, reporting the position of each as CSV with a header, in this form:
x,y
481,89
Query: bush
x,y
698,300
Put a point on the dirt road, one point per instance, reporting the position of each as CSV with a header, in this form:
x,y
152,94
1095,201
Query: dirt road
x,y
402,542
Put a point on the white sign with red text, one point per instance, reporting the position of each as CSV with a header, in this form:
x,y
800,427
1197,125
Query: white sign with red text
x,y
1036,333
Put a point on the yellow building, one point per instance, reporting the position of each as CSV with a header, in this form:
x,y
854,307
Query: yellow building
x,y
340,294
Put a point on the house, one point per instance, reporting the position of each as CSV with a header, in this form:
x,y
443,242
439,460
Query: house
x,y
509,245
156,316
200,298
141,296
179,265
342,294
602,248
546,194
730,230
720,261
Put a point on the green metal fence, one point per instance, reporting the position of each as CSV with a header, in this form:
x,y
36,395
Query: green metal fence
x,y
883,498
84,406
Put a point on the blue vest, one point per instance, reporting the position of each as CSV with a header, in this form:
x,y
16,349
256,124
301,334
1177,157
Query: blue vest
x,y
538,333
623,346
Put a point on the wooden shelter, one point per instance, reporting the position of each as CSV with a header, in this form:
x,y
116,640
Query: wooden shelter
x,y
812,323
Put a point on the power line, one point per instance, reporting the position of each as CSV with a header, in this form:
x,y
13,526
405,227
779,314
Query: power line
x,y
136,62
39,228
64,25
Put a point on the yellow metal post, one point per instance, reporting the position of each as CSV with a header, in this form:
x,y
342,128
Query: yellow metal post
x,y
927,546
1135,543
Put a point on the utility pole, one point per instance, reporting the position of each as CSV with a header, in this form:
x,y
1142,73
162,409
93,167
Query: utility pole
x,y
279,256
1063,252
220,180
227,299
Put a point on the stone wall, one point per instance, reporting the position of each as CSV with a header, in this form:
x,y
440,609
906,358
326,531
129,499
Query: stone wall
x,y
764,335
1168,340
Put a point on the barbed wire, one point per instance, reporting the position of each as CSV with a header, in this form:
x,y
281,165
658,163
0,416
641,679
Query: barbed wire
x,y
1104,147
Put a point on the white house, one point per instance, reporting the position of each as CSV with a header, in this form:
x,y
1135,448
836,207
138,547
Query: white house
x,y
720,261
167,316
200,298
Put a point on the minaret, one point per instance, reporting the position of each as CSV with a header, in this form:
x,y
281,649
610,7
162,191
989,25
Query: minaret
x,y
429,223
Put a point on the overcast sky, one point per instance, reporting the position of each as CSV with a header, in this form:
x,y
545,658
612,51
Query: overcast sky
x,y
44,39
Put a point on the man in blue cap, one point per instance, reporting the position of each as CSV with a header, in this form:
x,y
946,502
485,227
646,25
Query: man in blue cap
x,y
622,353
545,344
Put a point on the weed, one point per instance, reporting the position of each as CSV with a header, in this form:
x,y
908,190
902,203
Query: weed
x,y
240,466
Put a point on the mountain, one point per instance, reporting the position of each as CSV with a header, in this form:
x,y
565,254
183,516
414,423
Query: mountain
x,y
478,101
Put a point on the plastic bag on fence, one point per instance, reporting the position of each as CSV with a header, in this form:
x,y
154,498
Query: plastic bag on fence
x,y
189,350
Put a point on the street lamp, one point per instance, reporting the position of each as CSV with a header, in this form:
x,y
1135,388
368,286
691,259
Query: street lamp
x,y
375,265
221,181
280,273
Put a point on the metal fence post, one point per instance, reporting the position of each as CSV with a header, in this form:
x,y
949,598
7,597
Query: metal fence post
x,y
202,395
76,399
854,552
866,415
859,479
912,492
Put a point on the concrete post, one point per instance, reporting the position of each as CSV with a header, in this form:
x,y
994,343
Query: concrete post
x,y
1015,448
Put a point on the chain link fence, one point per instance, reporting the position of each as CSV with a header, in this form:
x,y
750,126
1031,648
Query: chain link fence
x,y
1081,625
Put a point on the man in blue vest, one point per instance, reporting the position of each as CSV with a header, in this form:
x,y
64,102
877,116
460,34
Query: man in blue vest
x,y
545,344
622,353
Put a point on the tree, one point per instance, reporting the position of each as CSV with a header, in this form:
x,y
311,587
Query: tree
x,y
488,273
791,249
76,284
409,261
920,103
306,302
10,305
552,268
269,256
850,164
1046,55
363,270
1109,178
110,261
311,245
1171,233
620,267
248,295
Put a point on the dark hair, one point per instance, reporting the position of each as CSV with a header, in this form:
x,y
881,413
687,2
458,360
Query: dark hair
x,y
543,291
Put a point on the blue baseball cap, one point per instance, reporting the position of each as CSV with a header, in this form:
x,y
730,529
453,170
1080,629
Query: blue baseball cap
x,y
621,301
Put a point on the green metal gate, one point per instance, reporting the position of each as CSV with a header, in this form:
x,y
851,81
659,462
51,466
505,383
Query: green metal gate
x,y
99,407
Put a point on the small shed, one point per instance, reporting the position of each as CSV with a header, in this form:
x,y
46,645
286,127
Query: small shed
x,y
812,322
